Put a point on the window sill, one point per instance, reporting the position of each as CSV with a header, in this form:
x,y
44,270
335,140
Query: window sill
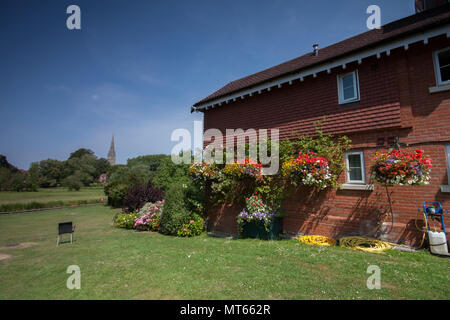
x,y
350,102
445,189
350,186
440,88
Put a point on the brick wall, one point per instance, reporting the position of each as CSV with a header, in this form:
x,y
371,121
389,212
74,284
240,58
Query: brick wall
x,y
395,101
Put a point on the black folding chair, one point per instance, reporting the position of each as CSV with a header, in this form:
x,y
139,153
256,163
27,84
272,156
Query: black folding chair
x,y
65,227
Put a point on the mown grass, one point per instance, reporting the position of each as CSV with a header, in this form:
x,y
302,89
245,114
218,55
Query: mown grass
x,y
124,264
48,198
51,194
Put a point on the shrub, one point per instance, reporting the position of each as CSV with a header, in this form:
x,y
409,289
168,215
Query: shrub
x,y
120,179
149,217
126,220
73,183
193,227
116,191
137,196
175,212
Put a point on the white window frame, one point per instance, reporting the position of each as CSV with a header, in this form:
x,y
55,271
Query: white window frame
x,y
437,67
447,155
341,87
363,171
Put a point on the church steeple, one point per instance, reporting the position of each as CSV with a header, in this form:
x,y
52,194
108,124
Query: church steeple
x,y
112,153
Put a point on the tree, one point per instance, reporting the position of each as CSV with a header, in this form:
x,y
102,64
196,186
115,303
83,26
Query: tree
x,y
5,164
101,166
83,168
152,161
52,172
73,183
81,152
169,173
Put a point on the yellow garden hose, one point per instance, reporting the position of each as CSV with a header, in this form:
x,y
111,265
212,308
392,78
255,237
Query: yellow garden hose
x,y
318,240
423,230
364,244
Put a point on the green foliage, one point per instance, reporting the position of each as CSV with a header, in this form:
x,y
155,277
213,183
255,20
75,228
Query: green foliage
x,y
81,153
17,181
151,161
82,166
52,172
193,227
325,145
126,220
175,211
121,179
169,173
73,183
101,166
274,189
5,164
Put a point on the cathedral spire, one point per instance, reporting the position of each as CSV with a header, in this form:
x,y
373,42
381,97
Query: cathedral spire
x,y
112,153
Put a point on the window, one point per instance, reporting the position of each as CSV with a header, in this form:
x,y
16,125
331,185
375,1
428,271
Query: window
x,y
442,66
348,87
355,167
447,152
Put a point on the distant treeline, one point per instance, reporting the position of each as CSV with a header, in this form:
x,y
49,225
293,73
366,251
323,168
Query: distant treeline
x,y
82,168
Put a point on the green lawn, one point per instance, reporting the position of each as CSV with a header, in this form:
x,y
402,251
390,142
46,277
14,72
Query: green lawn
x,y
124,264
51,194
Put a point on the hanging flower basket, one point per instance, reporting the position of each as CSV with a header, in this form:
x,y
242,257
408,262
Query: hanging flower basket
x,y
204,172
307,169
400,167
243,169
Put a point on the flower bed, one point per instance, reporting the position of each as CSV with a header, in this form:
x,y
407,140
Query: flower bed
x,y
192,228
400,167
307,169
149,217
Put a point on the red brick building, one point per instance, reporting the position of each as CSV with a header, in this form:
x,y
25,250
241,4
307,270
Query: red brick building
x,y
382,84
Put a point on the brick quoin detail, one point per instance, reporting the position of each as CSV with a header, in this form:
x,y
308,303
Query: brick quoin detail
x,y
394,101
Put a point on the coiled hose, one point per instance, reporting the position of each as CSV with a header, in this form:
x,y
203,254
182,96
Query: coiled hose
x,y
364,244
318,240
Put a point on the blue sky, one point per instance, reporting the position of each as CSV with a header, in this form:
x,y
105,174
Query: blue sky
x,y
135,67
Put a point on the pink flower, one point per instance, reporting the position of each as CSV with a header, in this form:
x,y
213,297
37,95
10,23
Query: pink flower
x,y
191,222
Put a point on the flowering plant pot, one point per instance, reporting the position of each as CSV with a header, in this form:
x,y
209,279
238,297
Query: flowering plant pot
x,y
257,229
257,220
